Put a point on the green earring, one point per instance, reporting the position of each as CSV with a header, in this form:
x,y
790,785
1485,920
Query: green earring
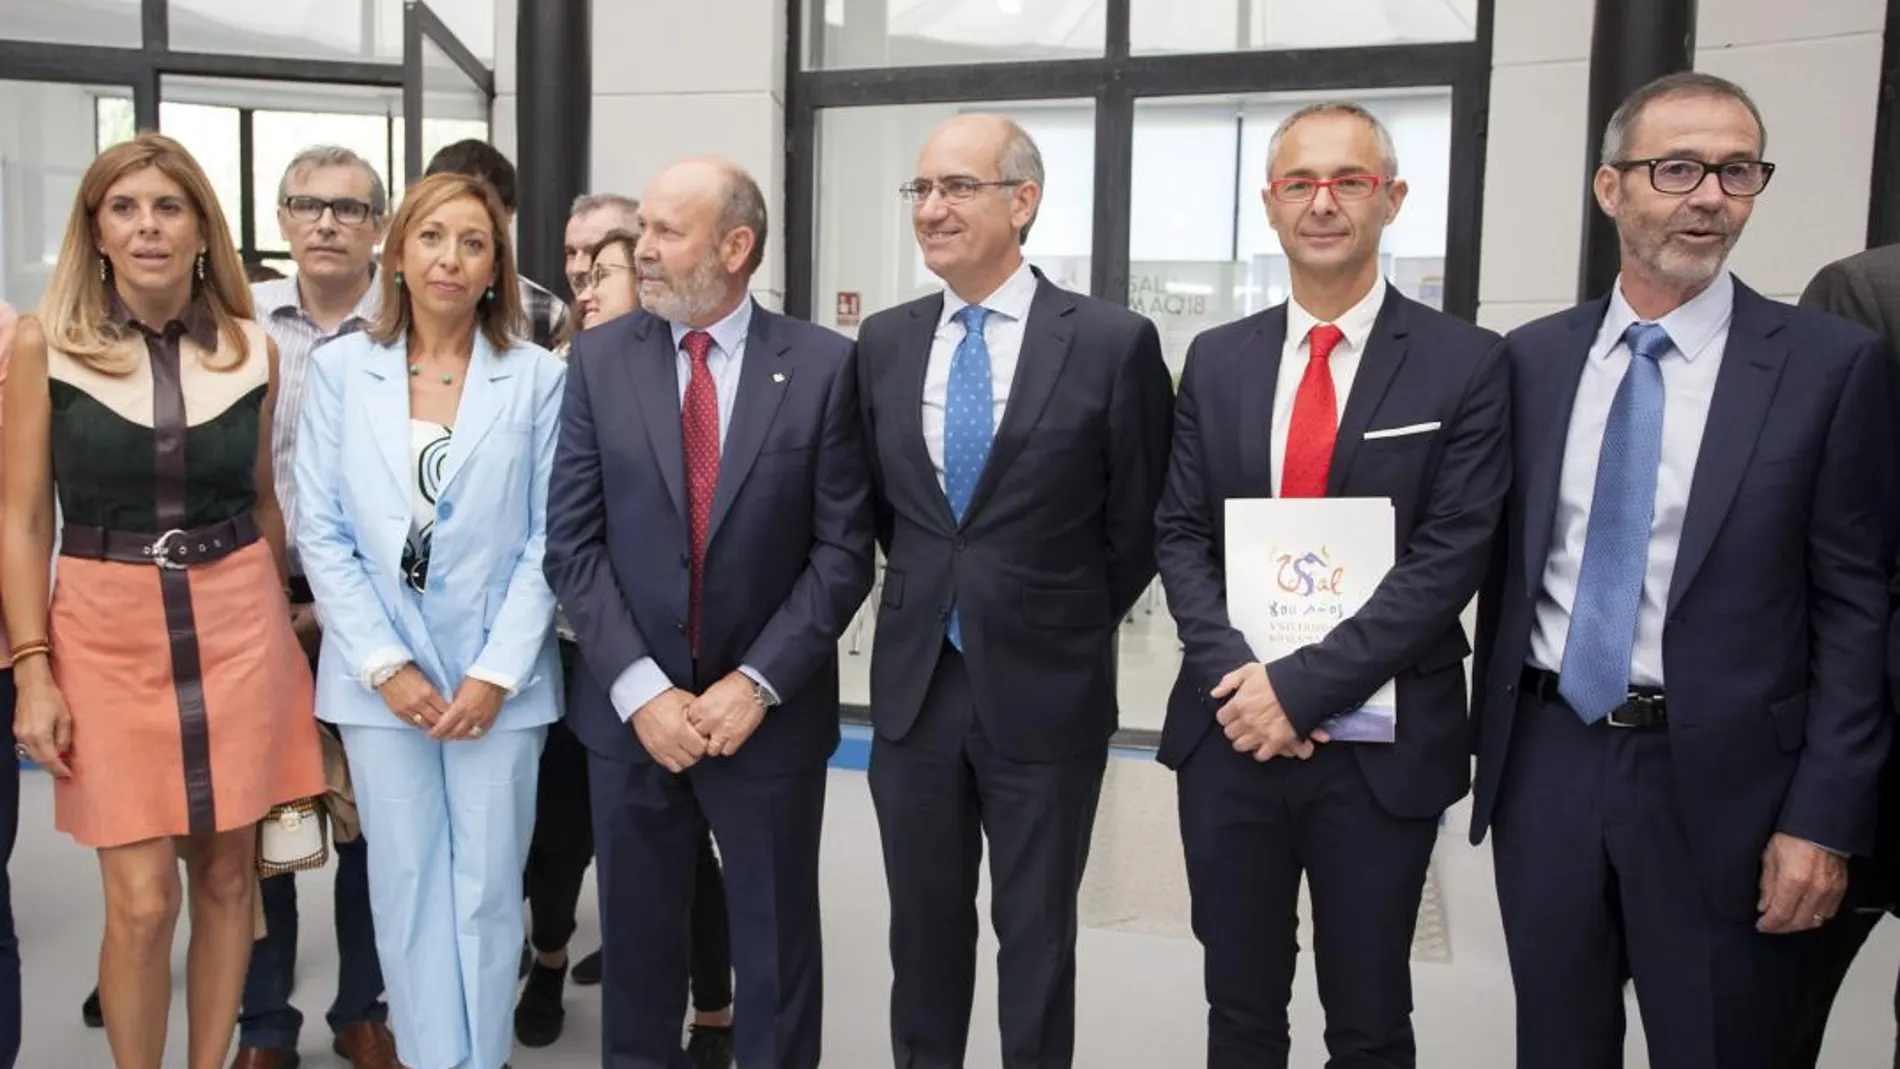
x,y
399,278
491,294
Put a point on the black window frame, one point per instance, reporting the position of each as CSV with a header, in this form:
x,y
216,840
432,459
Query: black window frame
x,y
144,69
1115,81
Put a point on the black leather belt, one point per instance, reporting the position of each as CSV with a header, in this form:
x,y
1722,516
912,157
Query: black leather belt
x,y
1646,707
172,550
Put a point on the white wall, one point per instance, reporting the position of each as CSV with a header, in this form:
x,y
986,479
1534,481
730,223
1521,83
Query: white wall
x,y
1815,76
672,80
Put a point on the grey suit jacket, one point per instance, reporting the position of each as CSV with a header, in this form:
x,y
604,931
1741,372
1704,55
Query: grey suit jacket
x,y
1864,287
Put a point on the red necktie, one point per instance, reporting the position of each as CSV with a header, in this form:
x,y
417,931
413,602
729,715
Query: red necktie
x,y
699,424
1309,440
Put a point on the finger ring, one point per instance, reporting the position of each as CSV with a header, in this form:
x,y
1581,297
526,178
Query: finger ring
x,y
476,731
1820,918
19,750
418,719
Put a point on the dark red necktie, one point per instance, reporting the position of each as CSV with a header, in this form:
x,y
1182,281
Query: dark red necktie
x,y
1315,426
699,424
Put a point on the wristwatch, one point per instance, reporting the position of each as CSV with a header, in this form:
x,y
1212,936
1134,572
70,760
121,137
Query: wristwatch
x,y
763,695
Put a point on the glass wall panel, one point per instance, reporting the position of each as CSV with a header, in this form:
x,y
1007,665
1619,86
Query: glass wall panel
x,y
107,23
1160,26
49,133
921,33
472,22
297,29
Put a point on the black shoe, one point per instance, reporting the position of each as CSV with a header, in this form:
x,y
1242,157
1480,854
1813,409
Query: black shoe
x,y
539,1015
527,961
587,970
91,1013
710,1048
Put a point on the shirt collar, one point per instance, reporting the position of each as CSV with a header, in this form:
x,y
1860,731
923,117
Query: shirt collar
x,y
1356,324
1011,299
282,296
1692,326
198,323
728,334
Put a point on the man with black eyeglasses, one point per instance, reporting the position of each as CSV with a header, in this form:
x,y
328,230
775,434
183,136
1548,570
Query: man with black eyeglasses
x,y
1681,712
332,207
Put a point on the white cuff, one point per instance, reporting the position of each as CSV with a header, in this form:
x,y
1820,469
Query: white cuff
x,y
642,682
380,663
508,684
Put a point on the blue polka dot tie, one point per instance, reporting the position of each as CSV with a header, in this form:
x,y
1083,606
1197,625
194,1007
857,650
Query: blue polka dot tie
x,y
968,425
1596,670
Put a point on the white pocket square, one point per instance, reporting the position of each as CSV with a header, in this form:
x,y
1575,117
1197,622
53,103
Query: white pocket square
x,y
1400,432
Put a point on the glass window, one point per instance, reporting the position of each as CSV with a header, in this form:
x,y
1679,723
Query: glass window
x,y
49,133
921,33
210,133
108,23
297,29
867,253
453,108
472,22
117,119
1157,26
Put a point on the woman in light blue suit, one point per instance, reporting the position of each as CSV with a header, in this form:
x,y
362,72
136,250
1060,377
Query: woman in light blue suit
x,y
422,468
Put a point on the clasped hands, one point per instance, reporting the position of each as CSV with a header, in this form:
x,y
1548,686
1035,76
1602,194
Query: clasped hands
x,y
469,715
1253,719
679,729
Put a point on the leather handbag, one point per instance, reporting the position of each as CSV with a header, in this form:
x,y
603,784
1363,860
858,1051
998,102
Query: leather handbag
x,y
293,837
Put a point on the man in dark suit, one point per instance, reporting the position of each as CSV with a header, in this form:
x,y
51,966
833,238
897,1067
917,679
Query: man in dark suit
x,y
1018,436
1682,718
709,533
1348,390
1864,288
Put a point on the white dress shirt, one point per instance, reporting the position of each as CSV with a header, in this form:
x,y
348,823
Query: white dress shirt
x,y
1698,334
644,680
1002,332
1356,325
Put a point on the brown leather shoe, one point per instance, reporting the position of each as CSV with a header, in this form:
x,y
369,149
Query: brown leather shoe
x,y
261,1058
368,1046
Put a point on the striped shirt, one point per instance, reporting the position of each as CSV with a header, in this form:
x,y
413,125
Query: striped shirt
x,y
280,307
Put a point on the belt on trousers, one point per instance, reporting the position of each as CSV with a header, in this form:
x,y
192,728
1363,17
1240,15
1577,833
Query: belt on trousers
x,y
1646,707
171,550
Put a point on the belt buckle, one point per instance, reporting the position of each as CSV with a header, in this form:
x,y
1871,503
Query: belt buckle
x,y
161,550
1633,707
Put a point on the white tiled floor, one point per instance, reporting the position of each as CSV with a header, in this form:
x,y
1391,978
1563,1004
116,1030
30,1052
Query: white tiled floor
x,y
1140,1004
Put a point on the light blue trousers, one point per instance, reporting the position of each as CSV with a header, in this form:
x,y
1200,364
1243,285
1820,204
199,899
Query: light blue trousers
x,y
448,826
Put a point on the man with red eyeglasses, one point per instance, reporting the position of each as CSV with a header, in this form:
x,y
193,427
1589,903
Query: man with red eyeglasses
x,y
1349,390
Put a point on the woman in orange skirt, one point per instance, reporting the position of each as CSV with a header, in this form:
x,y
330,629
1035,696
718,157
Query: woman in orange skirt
x,y
162,686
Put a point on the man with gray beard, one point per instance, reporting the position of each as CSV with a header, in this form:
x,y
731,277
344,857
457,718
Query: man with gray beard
x,y
1680,707
710,535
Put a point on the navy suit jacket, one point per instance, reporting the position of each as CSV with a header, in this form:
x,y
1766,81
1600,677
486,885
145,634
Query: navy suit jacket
x,y
1058,540
1447,489
1774,643
789,550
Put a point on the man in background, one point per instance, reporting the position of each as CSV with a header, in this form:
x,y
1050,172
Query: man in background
x,y
479,159
332,207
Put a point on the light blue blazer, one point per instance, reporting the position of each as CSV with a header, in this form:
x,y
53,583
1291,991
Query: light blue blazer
x,y
488,607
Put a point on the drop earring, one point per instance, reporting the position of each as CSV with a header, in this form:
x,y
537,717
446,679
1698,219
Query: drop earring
x,y
103,269
201,267
399,280
490,298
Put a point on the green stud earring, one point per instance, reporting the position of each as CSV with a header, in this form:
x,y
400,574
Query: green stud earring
x,y
399,278
491,295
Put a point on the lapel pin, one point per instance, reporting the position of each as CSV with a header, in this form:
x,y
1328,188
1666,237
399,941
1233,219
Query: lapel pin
x,y
778,376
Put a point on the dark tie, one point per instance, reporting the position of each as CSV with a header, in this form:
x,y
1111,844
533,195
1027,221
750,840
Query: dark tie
x,y
699,424
1596,671
1315,426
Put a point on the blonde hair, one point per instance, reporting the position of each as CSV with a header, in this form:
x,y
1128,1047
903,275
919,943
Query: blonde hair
x,y
501,319
76,312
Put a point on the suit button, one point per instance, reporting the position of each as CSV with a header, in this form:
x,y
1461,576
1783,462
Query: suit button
x,y
957,544
445,510
680,627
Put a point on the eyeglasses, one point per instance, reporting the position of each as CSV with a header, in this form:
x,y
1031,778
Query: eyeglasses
x,y
1344,187
348,210
954,190
594,276
1738,178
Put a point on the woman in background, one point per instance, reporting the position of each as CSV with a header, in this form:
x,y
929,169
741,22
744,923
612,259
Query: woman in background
x,y
163,687
422,468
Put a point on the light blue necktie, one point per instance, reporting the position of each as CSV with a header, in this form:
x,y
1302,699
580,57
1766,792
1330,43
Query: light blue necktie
x,y
1596,670
968,417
